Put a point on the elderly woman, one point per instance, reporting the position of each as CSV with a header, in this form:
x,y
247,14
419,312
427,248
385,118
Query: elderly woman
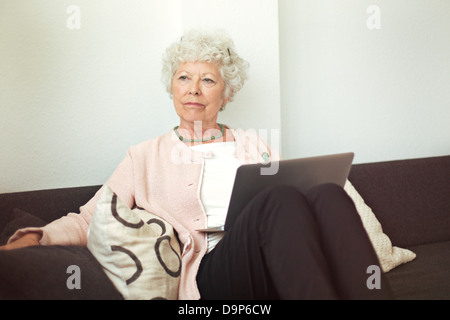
x,y
284,245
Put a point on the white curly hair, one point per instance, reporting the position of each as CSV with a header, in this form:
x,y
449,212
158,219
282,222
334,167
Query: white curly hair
x,y
214,46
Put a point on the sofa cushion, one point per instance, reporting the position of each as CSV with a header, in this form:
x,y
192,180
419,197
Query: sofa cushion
x,y
42,272
28,273
409,197
427,277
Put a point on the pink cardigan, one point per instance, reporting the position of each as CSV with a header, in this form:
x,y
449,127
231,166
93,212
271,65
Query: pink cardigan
x,y
163,176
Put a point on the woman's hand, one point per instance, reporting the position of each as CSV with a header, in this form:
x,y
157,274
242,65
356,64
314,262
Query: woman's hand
x,y
28,240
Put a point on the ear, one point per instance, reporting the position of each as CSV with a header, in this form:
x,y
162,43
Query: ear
x,y
224,104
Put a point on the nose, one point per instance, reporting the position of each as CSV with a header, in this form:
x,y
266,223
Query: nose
x,y
194,89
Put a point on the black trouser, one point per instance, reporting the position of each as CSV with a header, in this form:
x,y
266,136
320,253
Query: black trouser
x,y
287,245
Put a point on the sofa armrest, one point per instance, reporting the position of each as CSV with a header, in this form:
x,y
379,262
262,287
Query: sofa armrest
x,y
47,205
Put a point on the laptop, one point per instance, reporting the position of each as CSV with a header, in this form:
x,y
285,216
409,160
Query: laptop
x,y
302,173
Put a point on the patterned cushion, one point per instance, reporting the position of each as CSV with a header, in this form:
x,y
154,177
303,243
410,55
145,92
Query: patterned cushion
x,y
139,251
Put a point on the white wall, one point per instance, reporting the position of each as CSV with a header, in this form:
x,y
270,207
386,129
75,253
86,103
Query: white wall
x,y
382,93
73,100
253,25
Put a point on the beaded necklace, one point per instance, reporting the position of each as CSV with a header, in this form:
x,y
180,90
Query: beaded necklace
x,y
198,140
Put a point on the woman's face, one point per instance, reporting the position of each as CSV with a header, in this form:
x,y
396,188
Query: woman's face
x,y
197,89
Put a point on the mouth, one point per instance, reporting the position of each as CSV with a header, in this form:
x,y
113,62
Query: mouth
x,y
194,105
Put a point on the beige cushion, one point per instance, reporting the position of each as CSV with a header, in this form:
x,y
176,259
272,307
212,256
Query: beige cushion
x,y
390,256
138,250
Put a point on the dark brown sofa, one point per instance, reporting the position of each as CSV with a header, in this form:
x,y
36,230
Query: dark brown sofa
x,y
411,199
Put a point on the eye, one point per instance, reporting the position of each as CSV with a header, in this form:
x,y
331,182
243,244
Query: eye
x,y
183,78
209,81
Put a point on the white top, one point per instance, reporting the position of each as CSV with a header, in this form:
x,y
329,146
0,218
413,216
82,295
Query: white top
x,y
217,183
